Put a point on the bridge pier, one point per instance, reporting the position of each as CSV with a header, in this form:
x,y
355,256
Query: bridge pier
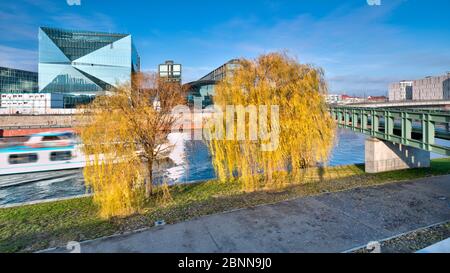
x,y
382,156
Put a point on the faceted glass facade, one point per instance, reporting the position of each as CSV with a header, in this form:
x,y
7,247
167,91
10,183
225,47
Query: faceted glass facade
x,y
221,72
204,87
72,101
83,62
201,89
18,81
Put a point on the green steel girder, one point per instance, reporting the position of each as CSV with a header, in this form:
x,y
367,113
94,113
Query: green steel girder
x,y
357,119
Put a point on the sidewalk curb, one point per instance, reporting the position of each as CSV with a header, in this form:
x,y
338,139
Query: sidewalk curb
x,y
396,236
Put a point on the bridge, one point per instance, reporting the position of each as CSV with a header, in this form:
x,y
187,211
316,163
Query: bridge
x,y
441,104
398,137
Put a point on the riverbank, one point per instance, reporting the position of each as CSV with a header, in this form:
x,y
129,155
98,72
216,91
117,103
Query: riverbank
x,y
40,226
330,222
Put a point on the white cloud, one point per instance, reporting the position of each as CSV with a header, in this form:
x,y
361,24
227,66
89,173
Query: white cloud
x,y
19,29
347,41
18,58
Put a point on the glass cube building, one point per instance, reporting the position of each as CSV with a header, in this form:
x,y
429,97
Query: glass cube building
x,y
18,81
83,63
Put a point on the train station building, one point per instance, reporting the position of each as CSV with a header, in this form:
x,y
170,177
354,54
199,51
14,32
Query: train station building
x,y
203,88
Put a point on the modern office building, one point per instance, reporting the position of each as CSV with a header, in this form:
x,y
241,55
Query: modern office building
x,y
84,63
400,91
221,72
428,88
204,87
202,90
170,71
17,81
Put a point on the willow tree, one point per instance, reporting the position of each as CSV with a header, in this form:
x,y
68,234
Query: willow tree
x,y
124,133
305,130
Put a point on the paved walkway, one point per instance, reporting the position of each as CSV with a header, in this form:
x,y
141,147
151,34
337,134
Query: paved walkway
x,y
332,222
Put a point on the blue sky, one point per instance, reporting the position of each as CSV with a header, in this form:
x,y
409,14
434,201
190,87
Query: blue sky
x,y
361,47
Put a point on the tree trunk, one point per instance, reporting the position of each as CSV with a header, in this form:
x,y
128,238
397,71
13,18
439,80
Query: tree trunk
x,y
149,184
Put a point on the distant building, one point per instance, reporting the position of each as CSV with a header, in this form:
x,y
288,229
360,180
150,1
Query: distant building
x,y
346,99
429,88
18,81
333,98
30,103
203,88
170,71
400,91
432,88
377,99
74,62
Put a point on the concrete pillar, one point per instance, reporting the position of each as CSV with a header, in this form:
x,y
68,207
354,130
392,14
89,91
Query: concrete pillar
x,y
383,156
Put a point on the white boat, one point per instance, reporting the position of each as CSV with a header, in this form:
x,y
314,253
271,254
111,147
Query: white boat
x,y
43,152
46,152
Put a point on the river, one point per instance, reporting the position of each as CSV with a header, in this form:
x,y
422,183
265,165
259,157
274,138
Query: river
x,y
190,162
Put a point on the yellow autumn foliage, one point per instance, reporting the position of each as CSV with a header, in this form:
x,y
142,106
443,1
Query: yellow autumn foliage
x,y
305,132
113,170
123,135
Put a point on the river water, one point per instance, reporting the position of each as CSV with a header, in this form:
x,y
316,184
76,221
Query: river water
x,y
190,162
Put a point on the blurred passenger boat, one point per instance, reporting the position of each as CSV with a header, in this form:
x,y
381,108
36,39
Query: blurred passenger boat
x,y
42,152
23,159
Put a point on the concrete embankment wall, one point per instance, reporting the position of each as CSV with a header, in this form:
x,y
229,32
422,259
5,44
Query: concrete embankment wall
x,y
22,125
37,120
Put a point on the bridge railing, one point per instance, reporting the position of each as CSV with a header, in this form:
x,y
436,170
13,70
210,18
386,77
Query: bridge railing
x,y
381,123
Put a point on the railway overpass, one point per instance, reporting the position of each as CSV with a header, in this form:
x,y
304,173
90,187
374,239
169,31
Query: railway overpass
x,y
436,104
398,137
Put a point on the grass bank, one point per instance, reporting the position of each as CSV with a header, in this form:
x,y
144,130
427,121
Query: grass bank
x,y
39,226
